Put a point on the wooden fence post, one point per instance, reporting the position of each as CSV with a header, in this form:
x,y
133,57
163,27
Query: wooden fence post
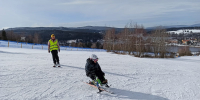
x,y
32,46
42,47
8,43
21,45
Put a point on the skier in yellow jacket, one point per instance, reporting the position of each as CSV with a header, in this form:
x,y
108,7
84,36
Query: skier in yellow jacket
x,y
53,47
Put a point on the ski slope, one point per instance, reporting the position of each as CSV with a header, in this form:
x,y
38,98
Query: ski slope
x,y
27,74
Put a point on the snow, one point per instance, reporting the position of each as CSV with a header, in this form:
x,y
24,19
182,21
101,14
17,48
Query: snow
x,y
14,44
187,31
27,74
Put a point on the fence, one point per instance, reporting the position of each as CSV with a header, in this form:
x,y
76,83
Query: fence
x,y
15,44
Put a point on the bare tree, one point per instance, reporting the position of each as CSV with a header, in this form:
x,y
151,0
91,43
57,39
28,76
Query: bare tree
x,y
73,44
29,38
109,40
139,32
134,40
10,35
93,45
36,38
80,44
158,42
184,51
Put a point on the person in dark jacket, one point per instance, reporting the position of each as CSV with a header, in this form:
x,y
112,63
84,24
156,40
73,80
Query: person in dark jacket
x,y
93,69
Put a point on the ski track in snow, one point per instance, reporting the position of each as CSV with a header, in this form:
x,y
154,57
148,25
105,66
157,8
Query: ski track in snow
x,y
27,74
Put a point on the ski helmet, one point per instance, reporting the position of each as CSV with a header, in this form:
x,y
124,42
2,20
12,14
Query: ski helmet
x,y
52,35
93,57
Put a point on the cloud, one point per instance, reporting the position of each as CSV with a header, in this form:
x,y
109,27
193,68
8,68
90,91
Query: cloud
x,y
77,2
97,12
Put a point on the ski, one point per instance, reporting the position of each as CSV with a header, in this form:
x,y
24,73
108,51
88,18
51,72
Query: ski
x,y
99,88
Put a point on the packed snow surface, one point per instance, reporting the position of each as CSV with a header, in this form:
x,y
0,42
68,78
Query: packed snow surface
x,y
27,74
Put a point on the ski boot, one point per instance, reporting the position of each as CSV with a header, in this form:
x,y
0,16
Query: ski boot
x,y
54,65
92,82
58,64
105,81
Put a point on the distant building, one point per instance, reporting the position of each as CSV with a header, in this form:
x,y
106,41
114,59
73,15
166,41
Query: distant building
x,y
185,41
71,41
23,38
193,41
173,41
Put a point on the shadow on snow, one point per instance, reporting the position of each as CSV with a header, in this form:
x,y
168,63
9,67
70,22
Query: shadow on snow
x,y
125,94
103,71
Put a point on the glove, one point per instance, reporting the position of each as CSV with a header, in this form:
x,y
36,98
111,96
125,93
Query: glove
x,y
59,50
49,51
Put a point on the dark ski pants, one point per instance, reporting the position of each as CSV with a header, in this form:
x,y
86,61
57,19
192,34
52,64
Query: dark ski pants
x,y
99,75
55,56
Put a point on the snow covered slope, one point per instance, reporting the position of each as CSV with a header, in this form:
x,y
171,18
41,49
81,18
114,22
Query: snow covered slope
x,y
185,31
15,44
27,74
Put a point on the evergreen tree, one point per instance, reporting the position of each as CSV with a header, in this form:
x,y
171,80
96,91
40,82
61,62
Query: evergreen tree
x,y
88,44
4,37
98,45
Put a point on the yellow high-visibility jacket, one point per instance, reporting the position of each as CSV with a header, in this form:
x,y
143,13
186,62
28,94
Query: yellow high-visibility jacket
x,y
53,45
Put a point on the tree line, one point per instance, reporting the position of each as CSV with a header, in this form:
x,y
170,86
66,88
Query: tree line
x,y
10,35
134,40
95,45
36,38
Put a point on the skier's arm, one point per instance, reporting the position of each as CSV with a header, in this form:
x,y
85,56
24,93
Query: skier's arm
x,y
86,67
100,69
58,46
48,47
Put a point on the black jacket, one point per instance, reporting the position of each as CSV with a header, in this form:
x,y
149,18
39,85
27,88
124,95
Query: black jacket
x,y
92,68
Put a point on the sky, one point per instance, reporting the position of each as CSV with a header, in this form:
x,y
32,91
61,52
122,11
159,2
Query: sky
x,y
112,13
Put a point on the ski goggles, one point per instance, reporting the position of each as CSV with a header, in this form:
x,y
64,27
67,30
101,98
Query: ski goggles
x,y
95,60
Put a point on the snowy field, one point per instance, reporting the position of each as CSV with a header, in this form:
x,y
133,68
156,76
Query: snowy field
x,y
25,45
27,74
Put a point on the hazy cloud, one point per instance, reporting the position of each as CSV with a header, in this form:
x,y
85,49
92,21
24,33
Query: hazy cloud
x,y
19,13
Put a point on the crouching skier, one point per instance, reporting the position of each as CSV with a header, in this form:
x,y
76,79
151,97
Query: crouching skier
x,y
93,70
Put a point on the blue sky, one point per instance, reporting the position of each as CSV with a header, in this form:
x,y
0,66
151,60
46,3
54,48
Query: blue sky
x,y
114,13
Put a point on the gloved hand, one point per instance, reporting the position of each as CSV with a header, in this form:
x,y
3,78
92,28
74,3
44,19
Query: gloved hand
x,y
49,51
59,50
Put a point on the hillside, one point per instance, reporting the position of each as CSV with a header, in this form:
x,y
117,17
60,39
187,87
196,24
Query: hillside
x,y
28,74
86,33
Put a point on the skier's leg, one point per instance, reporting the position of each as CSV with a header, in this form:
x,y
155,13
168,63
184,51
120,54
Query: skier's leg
x,y
101,77
53,56
93,78
57,58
